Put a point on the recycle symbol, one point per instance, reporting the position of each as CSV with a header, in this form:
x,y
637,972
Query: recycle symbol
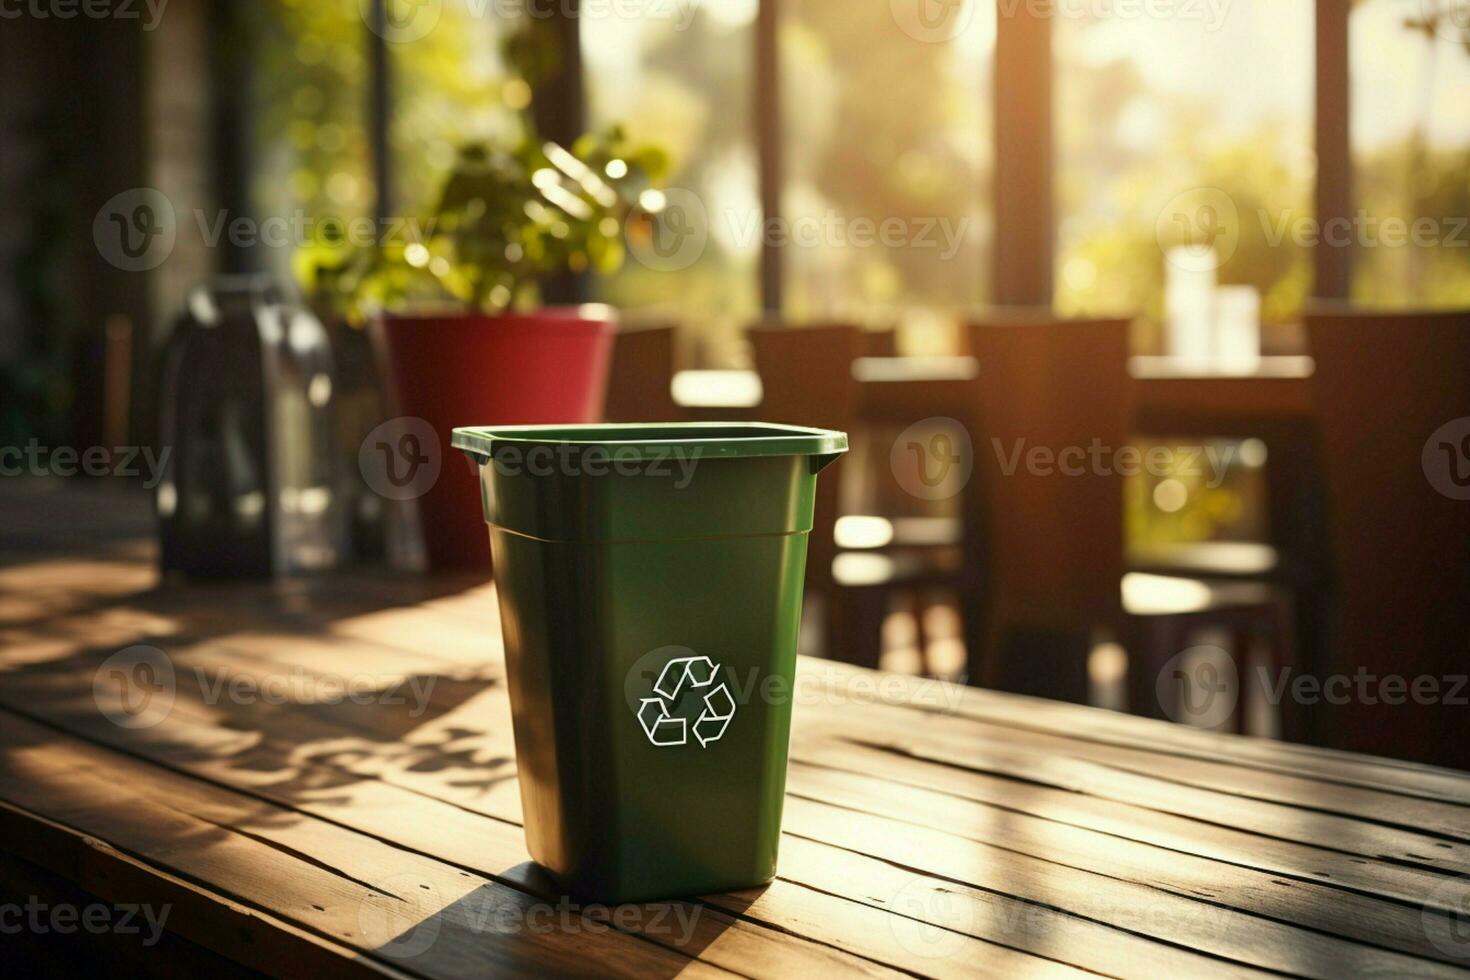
x,y
679,675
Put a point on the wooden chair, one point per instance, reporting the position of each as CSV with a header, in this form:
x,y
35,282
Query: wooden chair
x,y
1389,389
1053,416
807,379
639,379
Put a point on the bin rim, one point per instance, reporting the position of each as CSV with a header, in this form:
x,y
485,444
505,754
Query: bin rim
x,y
656,440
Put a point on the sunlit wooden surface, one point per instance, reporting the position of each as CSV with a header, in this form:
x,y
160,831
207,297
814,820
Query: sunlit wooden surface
x,y
929,829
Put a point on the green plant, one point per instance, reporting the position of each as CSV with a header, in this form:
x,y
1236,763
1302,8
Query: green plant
x,y
507,218
504,222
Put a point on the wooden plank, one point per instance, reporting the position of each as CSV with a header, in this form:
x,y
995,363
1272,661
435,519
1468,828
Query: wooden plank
x,y
1097,880
470,614
1083,771
1351,913
425,783
1329,905
245,935
1412,815
349,888
115,945
1112,728
365,805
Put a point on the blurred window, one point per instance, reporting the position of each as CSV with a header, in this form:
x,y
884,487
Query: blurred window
x,y
450,87
306,109
681,76
1411,152
886,132
1188,129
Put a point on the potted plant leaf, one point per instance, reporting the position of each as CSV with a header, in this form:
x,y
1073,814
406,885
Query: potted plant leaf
x,y
458,313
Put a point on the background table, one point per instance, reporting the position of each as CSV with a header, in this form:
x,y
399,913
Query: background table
x,y
929,829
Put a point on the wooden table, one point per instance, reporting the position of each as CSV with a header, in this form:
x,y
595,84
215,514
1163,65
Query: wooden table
x,y
1170,396
929,829
1177,397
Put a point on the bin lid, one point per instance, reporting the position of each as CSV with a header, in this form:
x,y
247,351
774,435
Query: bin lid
x,y
704,440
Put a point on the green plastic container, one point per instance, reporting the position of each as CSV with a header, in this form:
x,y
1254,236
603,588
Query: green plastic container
x,y
650,582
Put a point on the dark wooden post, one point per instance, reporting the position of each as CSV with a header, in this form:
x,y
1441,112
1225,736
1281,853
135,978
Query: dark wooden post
x,y
1334,198
559,110
1021,257
767,116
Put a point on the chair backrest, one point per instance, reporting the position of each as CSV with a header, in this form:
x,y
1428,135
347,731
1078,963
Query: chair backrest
x,y
639,380
1053,420
1393,396
806,378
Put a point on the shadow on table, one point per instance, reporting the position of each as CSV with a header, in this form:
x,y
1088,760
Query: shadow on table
x,y
533,924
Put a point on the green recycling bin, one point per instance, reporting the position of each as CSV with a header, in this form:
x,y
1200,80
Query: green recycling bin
x,y
650,583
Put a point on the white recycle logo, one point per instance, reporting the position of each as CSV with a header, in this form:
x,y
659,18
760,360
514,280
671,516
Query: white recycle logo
x,y
680,674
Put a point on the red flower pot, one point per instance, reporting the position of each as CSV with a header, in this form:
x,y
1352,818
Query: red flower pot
x,y
472,369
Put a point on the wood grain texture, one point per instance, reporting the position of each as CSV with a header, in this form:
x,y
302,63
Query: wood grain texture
x,y
929,829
